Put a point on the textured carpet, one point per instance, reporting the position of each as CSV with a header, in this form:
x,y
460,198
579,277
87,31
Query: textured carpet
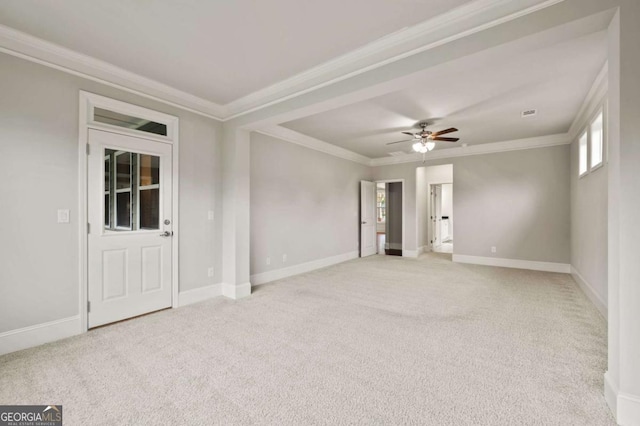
x,y
381,340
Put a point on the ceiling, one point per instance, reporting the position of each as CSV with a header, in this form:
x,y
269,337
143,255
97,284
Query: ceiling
x,y
483,97
218,50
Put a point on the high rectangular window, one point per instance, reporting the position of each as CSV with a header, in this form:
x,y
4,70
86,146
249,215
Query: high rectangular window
x,y
583,145
597,142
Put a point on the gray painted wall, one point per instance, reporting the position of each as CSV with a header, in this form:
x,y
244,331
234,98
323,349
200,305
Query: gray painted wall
x,y
304,204
589,235
39,258
517,201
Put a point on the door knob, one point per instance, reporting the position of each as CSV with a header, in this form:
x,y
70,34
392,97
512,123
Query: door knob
x,y
167,234
364,223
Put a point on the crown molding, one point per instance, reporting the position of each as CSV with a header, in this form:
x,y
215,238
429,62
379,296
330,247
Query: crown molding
x,y
592,102
472,18
37,50
486,148
297,138
427,35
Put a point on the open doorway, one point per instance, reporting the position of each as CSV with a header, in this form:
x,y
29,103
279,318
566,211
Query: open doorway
x,y
382,203
390,222
441,216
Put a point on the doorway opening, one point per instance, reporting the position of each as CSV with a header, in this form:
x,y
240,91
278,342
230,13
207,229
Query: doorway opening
x,y
382,218
441,216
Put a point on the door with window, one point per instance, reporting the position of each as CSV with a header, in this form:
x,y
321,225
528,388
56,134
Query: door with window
x,y
130,226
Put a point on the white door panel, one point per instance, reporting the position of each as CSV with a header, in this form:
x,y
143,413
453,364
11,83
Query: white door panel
x,y
367,218
130,229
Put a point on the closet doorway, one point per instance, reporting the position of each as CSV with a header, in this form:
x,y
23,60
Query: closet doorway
x,y
441,216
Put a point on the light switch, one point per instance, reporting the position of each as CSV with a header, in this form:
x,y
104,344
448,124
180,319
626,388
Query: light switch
x,y
210,215
63,216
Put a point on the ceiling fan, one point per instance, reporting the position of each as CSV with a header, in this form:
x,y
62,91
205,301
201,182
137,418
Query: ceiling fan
x,y
425,140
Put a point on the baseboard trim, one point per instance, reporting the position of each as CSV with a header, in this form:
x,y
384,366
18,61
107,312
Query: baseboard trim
x,y
39,334
301,268
410,253
513,263
625,407
611,393
236,291
588,290
196,295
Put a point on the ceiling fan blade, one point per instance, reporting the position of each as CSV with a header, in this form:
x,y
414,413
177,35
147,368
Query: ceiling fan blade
x,y
410,134
444,132
445,139
408,140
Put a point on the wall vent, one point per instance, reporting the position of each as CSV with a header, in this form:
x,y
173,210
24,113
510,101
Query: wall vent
x,y
529,113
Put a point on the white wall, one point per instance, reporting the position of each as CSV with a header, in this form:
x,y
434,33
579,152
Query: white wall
x,y
304,204
447,199
39,259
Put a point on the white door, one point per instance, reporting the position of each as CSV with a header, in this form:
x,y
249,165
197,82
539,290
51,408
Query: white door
x,y
367,218
130,229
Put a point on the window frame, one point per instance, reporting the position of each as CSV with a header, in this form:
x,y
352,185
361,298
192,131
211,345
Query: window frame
x,y
583,136
598,114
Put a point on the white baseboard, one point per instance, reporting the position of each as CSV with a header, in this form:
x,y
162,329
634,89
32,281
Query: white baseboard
x,y
35,335
514,263
301,268
199,294
410,253
589,292
625,407
611,393
236,291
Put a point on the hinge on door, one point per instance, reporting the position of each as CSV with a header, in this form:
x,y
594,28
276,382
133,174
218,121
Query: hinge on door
x,y
88,306
88,149
88,228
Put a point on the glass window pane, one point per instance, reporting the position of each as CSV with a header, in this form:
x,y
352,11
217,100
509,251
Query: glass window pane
x,y
107,173
597,141
149,170
122,120
582,154
123,170
107,211
150,208
123,217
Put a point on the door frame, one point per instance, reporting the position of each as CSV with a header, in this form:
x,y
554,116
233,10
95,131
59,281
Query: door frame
x,y
404,210
87,102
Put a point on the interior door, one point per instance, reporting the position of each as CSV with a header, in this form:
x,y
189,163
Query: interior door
x,y
130,229
367,218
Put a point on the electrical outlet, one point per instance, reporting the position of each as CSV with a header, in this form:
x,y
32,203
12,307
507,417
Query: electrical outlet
x,y
210,272
284,258
268,261
493,249
210,215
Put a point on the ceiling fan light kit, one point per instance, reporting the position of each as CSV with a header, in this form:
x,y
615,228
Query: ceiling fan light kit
x,y
423,147
425,140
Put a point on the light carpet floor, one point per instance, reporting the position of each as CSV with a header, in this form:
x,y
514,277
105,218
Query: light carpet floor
x,y
381,340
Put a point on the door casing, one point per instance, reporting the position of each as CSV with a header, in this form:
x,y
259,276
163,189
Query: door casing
x,y
87,102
